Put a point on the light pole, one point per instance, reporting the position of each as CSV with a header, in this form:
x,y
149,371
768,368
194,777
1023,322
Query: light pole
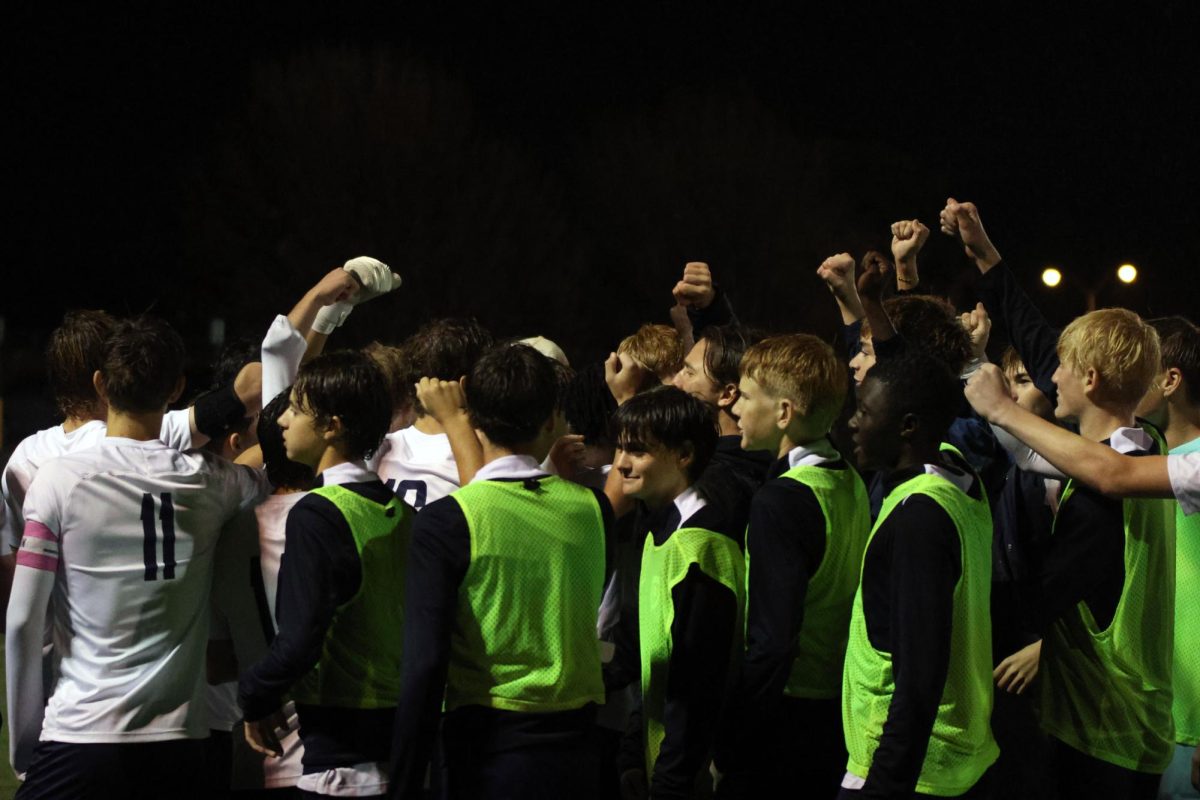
x,y
1126,273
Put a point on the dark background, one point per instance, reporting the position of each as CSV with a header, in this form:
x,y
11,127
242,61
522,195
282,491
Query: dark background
x,y
550,169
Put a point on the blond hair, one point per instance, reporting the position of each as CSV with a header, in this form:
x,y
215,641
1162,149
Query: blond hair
x,y
1119,345
656,347
803,369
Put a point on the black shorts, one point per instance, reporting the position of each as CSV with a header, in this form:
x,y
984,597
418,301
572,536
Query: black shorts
x,y
147,770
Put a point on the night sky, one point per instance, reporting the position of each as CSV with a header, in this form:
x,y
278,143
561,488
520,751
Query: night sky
x,y
550,169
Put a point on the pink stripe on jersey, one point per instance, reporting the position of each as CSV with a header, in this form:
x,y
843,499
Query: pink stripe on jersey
x,y
36,561
36,530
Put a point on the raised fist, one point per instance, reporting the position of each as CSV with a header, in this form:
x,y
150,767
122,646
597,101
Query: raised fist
x,y
978,326
962,221
695,289
441,399
623,375
908,237
873,274
837,272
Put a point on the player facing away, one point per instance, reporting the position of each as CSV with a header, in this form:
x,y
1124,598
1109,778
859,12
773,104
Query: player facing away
x,y
690,591
339,605
804,544
917,685
118,543
417,462
503,589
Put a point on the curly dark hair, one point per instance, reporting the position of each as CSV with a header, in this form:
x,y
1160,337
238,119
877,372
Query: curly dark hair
x,y
931,323
444,348
349,385
920,384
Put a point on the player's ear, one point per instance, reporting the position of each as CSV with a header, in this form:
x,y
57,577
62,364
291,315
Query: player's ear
x,y
334,429
98,385
178,391
728,396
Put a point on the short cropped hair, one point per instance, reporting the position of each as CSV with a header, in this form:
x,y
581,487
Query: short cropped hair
x,y
670,418
1179,340
348,385
726,344
1119,345
802,368
930,323
75,352
143,363
659,348
589,405
511,393
921,385
282,472
444,348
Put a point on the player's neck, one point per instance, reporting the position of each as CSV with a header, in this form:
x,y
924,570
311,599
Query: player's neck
x,y
332,457
728,423
427,424
1097,422
142,427
1182,427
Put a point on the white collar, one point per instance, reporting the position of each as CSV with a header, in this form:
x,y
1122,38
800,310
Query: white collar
x,y
1126,440
812,454
347,472
688,503
962,480
509,467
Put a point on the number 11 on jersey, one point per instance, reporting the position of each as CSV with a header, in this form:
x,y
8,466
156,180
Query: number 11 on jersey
x,y
166,515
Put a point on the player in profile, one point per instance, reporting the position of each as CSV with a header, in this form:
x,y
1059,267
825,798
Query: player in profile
x,y
340,593
416,462
917,684
120,536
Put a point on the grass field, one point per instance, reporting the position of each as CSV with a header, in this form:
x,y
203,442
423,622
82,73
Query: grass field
x,y
8,781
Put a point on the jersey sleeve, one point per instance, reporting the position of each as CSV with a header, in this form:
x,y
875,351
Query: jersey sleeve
x,y
13,484
282,349
245,487
1184,471
176,429
43,509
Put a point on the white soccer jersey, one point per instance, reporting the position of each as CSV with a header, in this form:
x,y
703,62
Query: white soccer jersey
x,y
1184,472
134,525
418,467
36,449
245,580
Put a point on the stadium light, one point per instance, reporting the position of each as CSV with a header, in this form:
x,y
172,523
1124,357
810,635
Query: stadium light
x,y
1127,273
1051,277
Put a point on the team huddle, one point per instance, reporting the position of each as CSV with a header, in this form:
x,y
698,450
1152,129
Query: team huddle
x,y
718,564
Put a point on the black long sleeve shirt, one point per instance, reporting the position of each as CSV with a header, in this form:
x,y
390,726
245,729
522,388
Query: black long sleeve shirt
x,y
320,571
1034,339
438,557
910,570
702,630
786,540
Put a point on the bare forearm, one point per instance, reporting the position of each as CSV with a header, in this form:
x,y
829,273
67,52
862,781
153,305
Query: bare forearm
x,y
468,452
1093,463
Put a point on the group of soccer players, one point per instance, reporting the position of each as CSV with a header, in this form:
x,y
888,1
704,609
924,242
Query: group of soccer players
x,y
720,563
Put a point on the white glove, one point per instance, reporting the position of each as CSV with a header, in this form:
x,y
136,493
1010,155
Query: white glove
x,y
376,278
374,275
